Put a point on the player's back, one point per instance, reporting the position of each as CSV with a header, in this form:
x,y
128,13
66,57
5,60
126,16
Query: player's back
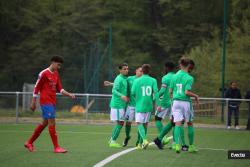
x,y
143,89
181,82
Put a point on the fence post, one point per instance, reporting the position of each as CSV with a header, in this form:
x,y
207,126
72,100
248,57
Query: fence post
x,y
222,110
86,108
227,103
17,106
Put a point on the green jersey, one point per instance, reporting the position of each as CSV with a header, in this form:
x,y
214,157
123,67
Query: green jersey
x,y
164,91
181,82
119,89
145,90
131,80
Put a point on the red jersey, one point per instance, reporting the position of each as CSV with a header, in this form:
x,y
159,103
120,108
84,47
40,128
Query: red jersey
x,y
48,83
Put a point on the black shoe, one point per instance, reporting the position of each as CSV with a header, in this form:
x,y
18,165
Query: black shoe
x,y
184,148
158,142
125,143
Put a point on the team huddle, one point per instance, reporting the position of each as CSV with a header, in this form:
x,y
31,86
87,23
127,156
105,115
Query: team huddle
x,y
133,98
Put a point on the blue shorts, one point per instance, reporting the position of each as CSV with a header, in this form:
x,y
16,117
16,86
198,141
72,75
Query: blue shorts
x,y
49,111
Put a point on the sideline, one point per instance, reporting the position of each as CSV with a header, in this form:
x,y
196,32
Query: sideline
x,y
116,155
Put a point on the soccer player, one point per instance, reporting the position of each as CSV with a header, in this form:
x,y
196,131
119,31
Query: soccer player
x,y
165,110
48,83
165,106
118,103
130,111
182,109
144,90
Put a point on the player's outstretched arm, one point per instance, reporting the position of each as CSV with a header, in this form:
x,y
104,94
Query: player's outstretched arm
x,y
65,93
107,83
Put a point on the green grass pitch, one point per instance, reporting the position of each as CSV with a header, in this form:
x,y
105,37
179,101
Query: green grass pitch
x,y
88,145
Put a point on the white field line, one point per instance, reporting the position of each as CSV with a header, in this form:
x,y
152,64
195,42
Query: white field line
x,y
213,149
114,156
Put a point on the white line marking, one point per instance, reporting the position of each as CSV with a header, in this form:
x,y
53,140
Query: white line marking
x,y
213,149
114,156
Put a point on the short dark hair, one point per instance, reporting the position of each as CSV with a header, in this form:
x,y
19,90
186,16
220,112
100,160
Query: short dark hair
x,y
191,62
146,68
137,67
122,65
233,82
184,61
170,65
57,59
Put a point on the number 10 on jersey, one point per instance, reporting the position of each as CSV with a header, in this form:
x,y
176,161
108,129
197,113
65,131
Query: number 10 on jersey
x,y
146,90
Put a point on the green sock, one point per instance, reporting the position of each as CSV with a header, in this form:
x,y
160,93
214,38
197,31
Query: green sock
x,y
127,130
165,130
158,125
173,133
182,134
116,131
142,132
177,134
139,139
191,134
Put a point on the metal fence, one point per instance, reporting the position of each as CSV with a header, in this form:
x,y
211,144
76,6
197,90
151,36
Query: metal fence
x,y
94,108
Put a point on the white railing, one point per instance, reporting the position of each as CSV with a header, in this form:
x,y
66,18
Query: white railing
x,y
86,97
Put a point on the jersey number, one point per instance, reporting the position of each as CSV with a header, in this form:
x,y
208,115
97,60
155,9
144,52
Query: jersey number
x,y
179,88
146,91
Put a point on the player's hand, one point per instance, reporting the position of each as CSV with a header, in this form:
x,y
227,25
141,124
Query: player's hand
x,y
72,96
125,98
197,101
33,105
158,108
128,99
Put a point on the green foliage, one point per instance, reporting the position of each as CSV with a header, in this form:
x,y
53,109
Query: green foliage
x,y
152,32
207,70
208,56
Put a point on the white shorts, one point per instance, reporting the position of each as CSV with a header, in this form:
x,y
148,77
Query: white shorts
x,y
130,114
117,114
182,110
142,117
165,112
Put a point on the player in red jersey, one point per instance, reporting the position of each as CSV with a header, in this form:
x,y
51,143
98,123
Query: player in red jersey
x,y
48,83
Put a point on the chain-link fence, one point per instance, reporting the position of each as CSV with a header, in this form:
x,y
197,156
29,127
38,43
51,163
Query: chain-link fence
x,y
94,108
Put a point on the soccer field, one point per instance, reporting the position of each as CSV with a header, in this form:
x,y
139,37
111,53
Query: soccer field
x,y
88,145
